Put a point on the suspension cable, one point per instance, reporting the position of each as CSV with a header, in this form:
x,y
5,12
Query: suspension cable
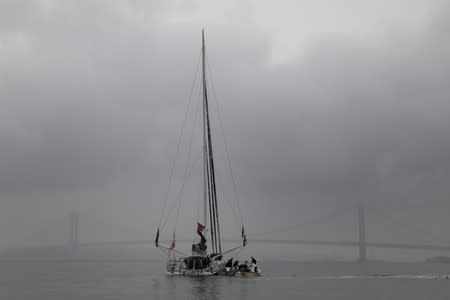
x,y
378,213
319,220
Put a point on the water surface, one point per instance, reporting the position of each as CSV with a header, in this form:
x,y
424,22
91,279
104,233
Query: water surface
x,y
282,280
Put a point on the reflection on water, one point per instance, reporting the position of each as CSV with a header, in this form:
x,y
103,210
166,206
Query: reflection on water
x,y
174,287
206,288
156,287
243,291
144,281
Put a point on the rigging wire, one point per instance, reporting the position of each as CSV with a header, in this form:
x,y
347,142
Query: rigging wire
x,y
187,170
226,149
166,197
238,253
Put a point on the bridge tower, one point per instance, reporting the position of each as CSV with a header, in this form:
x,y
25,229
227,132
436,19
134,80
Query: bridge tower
x,y
362,233
74,232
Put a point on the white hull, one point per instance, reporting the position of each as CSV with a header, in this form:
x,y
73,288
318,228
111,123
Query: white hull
x,y
178,268
196,273
247,274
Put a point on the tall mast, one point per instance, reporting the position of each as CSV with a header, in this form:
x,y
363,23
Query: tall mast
x,y
210,193
207,184
205,162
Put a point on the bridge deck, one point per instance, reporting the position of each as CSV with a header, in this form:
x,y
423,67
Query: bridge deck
x,y
306,242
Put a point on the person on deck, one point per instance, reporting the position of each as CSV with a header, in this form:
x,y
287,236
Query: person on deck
x,y
236,265
200,229
229,263
200,248
244,267
253,267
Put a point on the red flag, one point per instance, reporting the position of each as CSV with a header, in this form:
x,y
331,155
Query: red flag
x,y
172,246
200,227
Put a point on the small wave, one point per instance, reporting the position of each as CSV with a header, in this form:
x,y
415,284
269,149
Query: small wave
x,y
268,277
388,276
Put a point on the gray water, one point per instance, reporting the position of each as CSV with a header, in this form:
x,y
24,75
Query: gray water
x,y
143,279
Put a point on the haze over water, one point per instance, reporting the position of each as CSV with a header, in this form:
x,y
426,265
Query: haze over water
x,y
320,108
138,279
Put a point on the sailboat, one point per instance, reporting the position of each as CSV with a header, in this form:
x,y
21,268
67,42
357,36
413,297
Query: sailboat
x,y
207,258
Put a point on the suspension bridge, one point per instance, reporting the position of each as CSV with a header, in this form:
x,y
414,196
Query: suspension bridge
x,y
360,242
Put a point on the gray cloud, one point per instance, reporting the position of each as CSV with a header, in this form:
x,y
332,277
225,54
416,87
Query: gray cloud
x,y
93,98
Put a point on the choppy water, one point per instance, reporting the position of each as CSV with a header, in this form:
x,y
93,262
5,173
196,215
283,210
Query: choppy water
x,y
282,280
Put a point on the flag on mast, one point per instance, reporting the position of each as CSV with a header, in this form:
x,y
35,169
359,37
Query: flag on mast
x,y
244,237
172,246
200,227
157,238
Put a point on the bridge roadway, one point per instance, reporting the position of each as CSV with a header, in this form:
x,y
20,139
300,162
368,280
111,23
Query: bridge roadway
x,y
299,242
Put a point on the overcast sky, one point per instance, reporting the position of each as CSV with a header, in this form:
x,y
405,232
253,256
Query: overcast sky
x,y
323,103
